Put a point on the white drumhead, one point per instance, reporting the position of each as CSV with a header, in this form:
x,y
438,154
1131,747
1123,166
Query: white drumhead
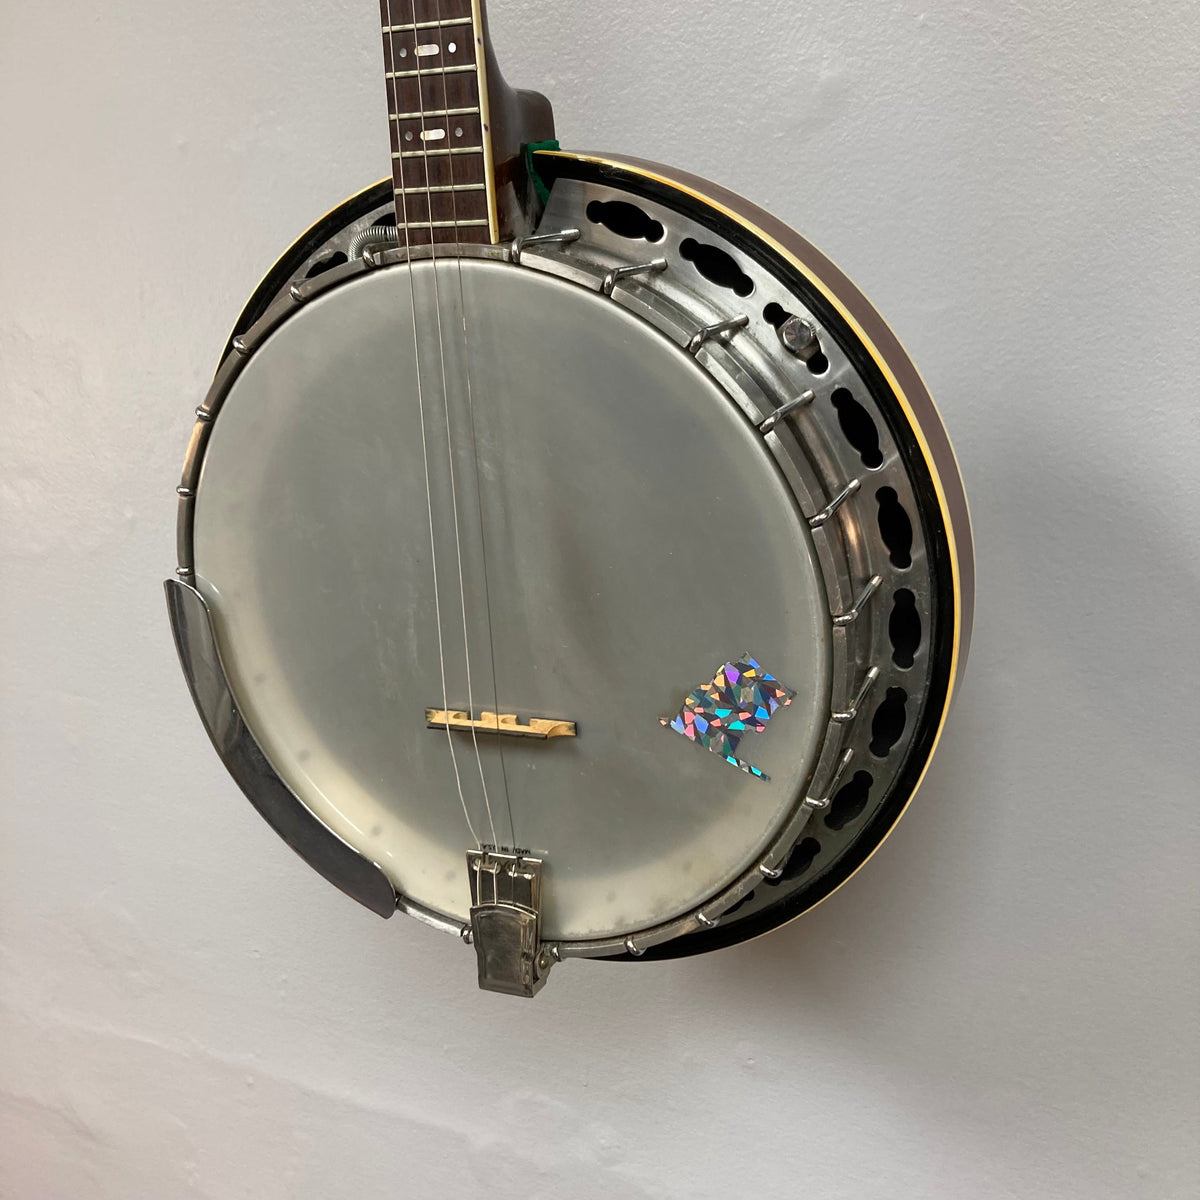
x,y
637,536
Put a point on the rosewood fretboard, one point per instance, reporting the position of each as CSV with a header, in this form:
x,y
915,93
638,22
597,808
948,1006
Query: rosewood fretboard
x,y
433,54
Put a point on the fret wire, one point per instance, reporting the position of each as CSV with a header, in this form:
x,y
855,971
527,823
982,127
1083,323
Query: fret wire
x,y
434,112
388,29
442,70
441,187
424,74
433,153
447,224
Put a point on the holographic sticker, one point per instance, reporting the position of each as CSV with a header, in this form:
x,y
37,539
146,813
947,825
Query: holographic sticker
x,y
741,699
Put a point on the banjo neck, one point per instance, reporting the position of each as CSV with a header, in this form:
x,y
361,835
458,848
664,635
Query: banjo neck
x,y
457,129
442,163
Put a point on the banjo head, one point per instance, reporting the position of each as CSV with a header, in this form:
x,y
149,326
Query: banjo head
x,y
637,534
681,492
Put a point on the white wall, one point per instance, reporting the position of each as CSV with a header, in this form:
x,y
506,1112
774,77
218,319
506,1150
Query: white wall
x,y
1003,1005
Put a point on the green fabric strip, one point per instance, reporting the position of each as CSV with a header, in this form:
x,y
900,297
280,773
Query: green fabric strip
x,y
531,148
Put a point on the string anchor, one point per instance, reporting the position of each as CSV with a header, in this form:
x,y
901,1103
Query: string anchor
x,y
506,920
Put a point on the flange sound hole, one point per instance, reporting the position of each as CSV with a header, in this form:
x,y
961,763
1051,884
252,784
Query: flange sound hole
x,y
904,628
625,220
801,858
860,430
716,266
850,801
887,727
336,259
748,898
895,527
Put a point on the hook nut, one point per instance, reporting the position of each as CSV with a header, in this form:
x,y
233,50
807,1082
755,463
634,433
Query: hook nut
x,y
799,338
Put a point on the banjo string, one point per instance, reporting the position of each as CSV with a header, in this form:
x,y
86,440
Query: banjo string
x,y
462,303
437,604
437,304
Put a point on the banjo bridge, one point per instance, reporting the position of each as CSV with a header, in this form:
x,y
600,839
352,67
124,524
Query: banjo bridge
x,y
508,724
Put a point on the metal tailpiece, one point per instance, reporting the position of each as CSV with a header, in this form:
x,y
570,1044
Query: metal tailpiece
x,y
506,920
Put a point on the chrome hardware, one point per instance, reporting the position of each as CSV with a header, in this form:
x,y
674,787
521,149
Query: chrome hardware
x,y
462,70
618,273
297,293
844,718
823,803
506,918
373,235
434,190
203,414
770,872
463,224
852,615
785,410
240,345
323,850
428,916
184,491
436,153
391,254
434,112
707,921
632,948
703,334
799,338
563,238
411,26
830,509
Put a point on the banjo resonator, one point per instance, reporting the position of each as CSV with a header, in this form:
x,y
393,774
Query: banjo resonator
x,y
522,470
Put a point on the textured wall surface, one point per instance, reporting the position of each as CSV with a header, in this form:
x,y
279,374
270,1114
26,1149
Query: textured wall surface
x,y
1003,1005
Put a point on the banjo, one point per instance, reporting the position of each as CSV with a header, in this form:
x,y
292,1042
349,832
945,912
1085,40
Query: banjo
x,y
569,556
